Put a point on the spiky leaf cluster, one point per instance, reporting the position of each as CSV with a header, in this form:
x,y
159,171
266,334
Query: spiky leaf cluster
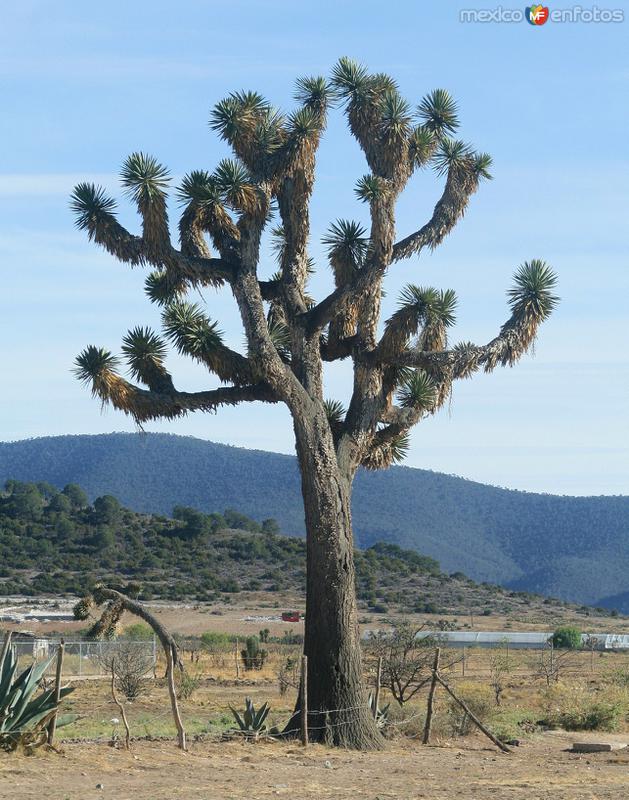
x,y
531,295
144,178
334,411
190,330
145,352
93,366
90,204
438,112
418,391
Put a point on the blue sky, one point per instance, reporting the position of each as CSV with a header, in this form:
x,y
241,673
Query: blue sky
x,y
83,85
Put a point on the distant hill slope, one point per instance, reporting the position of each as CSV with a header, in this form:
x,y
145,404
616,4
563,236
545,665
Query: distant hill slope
x,y
56,543
576,548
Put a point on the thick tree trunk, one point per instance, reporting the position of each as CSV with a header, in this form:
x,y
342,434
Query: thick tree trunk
x,y
338,711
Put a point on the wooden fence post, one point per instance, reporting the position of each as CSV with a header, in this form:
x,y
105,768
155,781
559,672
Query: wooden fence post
x,y
304,700
463,662
236,659
431,697
376,699
52,725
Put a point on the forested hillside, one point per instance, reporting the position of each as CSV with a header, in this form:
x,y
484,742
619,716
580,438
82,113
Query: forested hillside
x,y
576,548
57,542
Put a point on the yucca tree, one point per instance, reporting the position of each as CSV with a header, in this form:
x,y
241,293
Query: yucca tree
x,y
403,370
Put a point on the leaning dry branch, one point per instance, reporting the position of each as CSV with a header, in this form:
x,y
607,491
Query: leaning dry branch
x,y
103,594
501,745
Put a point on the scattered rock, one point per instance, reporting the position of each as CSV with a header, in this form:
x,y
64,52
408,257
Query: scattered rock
x,y
596,747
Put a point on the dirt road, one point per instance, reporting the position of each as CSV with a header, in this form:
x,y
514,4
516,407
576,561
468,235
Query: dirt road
x,y
539,770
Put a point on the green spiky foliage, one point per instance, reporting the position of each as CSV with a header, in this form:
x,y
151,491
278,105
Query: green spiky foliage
x,y
417,391
532,300
422,146
452,155
314,93
94,213
90,204
387,451
94,367
145,352
335,411
251,722
144,179
279,334
162,287
347,245
237,187
438,112
194,335
24,714
531,296
370,188
203,198
422,311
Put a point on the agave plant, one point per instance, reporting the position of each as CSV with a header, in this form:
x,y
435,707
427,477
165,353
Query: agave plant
x,y
252,722
24,717
381,715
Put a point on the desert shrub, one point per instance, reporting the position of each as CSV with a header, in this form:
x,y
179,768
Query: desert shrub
x,y
619,677
187,684
407,721
213,641
567,637
131,663
480,701
288,675
575,708
139,631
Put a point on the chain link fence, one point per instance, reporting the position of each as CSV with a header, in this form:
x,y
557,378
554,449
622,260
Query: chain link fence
x,y
83,659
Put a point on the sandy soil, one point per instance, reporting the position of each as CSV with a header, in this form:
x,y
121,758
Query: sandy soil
x,y
407,771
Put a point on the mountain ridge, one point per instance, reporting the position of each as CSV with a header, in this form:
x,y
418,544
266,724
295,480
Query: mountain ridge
x,y
573,547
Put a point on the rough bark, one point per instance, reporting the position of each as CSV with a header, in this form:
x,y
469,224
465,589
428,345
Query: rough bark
x,y
337,699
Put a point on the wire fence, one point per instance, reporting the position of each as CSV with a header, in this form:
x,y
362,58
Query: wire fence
x,y
85,659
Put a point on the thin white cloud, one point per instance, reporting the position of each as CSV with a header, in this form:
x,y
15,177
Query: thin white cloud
x,y
48,183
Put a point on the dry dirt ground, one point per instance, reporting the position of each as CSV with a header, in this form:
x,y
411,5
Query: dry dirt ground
x,y
539,770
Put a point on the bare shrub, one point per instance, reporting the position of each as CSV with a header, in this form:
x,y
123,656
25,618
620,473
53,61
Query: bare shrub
x,y
480,702
131,662
288,675
500,668
406,659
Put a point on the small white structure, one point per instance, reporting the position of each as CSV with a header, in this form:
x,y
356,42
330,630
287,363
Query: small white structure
x,y
29,643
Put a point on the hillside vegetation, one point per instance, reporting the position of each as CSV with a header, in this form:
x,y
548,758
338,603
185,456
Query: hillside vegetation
x,y
576,548
57,542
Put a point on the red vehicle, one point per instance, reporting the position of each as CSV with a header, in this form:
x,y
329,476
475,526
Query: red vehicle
x,y
290,616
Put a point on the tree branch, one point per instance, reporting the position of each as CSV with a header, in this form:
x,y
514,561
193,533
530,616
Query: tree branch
x,y
461,183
